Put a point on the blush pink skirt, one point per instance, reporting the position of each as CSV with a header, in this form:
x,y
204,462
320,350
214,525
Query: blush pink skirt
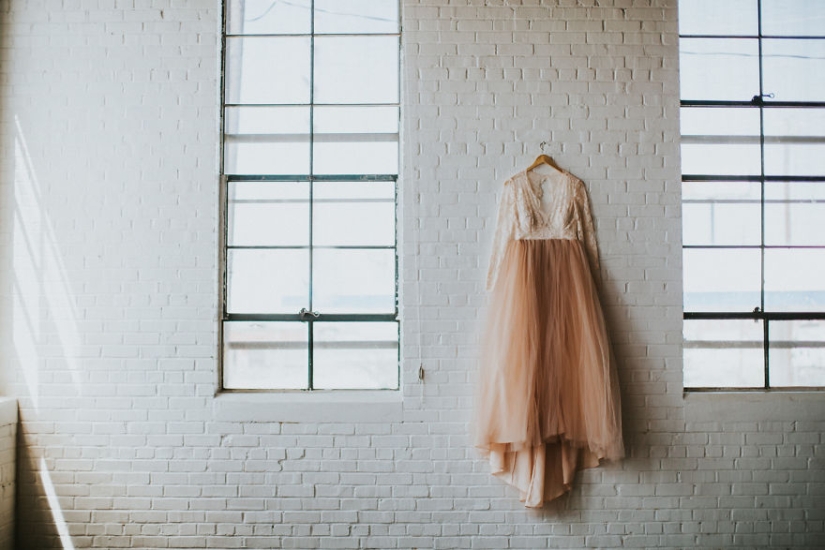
x,y
547,400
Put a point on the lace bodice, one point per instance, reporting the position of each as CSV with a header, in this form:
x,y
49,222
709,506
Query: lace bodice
x,y
543,203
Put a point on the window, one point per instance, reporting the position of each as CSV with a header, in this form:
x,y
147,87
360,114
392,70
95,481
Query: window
x,y
310,164
753,192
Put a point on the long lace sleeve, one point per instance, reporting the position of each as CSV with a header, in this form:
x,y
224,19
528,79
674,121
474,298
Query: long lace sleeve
x,y
587,231
505,224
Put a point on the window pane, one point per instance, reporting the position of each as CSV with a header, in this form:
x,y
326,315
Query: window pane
x,y
356,120
267,70
795,142
356,69
720,141
271,158
794,213
266,121
794,280
731,17
265,355
355,356
793,17
266,140
721,280
794,70
718,121
364,218
721,213
268,214
355,157
354,281
267,281
356,16
797,353
726,353
268,17
719,69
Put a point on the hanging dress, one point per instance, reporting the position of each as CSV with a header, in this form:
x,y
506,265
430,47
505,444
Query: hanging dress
x,y
547,400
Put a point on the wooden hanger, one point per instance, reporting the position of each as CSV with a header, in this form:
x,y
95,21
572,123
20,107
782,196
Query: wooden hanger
x,y
544,159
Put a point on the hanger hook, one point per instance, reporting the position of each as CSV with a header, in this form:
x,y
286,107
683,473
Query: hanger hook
x,y
543,146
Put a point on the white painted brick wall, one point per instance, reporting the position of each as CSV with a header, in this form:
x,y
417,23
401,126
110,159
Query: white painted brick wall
x,y
108,287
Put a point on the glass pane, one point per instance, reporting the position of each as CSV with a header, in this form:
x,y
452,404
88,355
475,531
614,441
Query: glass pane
x,y
354,281
731,17
794,70
719,69
356,16
720,141
723,160
266,140
268,214
265,355
357,120
718,121
366,217
266,121
355,356
721,213
278,158
794,213
267,281
355,157
721,280
268,17
795,159
805,122
793,17
797,353
723,353
712,223
267,70
356,69
794,280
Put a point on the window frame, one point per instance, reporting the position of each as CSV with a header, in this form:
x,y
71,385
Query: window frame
x,y
762,101
305,315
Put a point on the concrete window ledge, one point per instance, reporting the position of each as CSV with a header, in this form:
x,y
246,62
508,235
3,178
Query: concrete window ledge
x,y
316,406
751,406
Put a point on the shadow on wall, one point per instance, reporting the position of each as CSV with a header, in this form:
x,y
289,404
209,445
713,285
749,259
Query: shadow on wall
x,y
38,317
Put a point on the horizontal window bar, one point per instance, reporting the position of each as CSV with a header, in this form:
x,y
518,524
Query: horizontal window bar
x,y
338,344
306,177
362,201
331,317
754,140
392,104
752,177
316,247
754,36
318,137
770,316
750,103
783,389
753,246
745,201
304,34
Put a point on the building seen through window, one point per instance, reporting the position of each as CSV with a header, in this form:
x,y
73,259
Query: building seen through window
x,y
310,164
752,78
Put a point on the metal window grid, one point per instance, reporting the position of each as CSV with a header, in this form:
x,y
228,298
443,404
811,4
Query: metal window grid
x,y
307,316
760,102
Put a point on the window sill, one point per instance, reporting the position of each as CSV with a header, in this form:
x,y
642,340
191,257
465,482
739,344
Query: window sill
x,y
317,406
754,405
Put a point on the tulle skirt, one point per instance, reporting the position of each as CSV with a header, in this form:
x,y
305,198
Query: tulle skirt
x,y
547,400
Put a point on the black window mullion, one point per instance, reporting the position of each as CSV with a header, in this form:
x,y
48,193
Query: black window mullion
x,y
767,379
310,325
